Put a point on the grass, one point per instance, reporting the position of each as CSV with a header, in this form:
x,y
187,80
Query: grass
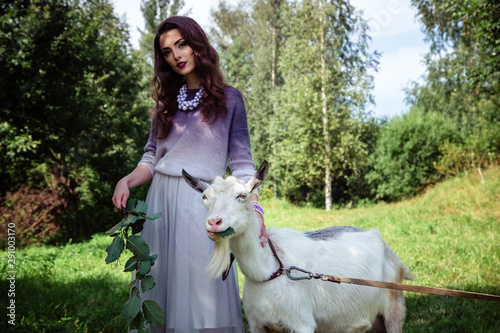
x,y
67,289
449,237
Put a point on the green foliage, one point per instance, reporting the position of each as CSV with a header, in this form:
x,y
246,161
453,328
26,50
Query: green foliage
x,y
226,233
69,117
407,150
471,28
462,82
272,50
478,150
320,113
126,235
234,43
153,313
449,90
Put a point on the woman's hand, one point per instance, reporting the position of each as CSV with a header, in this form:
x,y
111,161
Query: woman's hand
x,y
263,232
139,176
260,217
121,194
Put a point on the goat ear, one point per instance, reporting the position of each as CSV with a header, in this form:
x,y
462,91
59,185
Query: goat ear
x,y
195,183
259,176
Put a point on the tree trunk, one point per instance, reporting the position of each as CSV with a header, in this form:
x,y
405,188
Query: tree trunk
x,y
324,108
273,83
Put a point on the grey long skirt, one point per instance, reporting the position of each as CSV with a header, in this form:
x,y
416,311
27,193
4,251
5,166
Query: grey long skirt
x,y
191,301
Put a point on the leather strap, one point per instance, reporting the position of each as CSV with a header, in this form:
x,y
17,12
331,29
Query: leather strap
x,y
273,276
389,285
280,270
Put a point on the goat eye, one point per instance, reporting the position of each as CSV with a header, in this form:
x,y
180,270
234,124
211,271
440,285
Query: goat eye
x,y
242,196
204,197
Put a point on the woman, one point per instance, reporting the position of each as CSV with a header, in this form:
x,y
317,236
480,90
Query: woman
x,y
199,125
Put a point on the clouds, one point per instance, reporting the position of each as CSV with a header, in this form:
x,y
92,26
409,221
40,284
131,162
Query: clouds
x,y
386,18
397,35
396,70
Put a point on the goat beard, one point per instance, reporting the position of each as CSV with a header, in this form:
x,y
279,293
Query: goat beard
x,y
220,260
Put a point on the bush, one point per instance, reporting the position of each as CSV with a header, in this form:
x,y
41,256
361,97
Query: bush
x,y
34,213
71,121
478,151
406,152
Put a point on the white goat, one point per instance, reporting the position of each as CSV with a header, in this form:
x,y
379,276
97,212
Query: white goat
x,y
280,304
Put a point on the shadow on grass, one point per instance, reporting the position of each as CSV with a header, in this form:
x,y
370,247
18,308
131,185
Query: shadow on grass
x,y
434,313
92,304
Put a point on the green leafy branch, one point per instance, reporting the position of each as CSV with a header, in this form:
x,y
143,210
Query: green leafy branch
x,y
126,234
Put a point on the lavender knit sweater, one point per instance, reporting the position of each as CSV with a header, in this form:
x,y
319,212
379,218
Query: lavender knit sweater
x,y
202,148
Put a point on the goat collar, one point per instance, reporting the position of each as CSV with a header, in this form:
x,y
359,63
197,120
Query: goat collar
x,y
272,277
280,270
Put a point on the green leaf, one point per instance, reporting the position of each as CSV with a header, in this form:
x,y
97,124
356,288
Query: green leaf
x,y
138,247
147,283
154,216
132,307
226,233
153,313
152,259
144,267
129,219
131,264
137,323
114,249
141,207
116,227
131,203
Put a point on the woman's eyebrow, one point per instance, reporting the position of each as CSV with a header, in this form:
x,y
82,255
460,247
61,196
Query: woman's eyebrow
x,y
175,44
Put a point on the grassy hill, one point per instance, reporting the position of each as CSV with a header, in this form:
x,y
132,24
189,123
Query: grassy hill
x,y
449,237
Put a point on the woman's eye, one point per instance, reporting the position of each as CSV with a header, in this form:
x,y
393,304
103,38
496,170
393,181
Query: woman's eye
x,y
182,44
166,53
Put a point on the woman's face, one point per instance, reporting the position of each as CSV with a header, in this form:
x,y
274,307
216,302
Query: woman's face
x,y
179,55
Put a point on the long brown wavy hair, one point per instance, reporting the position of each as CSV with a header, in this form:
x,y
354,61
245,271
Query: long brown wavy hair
x,y
166,83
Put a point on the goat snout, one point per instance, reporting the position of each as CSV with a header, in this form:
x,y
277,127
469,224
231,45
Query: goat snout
x,y
214,224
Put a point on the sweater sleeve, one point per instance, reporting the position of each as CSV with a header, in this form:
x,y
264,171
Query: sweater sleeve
x,y
149,156
240,155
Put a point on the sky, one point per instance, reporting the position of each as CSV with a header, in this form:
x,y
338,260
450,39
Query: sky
x,y
395,32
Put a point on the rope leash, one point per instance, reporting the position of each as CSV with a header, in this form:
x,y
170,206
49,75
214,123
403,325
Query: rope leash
x,y
389,285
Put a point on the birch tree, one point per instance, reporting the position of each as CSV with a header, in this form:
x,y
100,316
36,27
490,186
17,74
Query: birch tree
x,y
324,62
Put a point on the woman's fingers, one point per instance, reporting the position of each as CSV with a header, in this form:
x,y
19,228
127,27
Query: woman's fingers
x,y
121,195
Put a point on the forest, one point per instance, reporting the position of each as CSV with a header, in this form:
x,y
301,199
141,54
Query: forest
x,y
76,105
